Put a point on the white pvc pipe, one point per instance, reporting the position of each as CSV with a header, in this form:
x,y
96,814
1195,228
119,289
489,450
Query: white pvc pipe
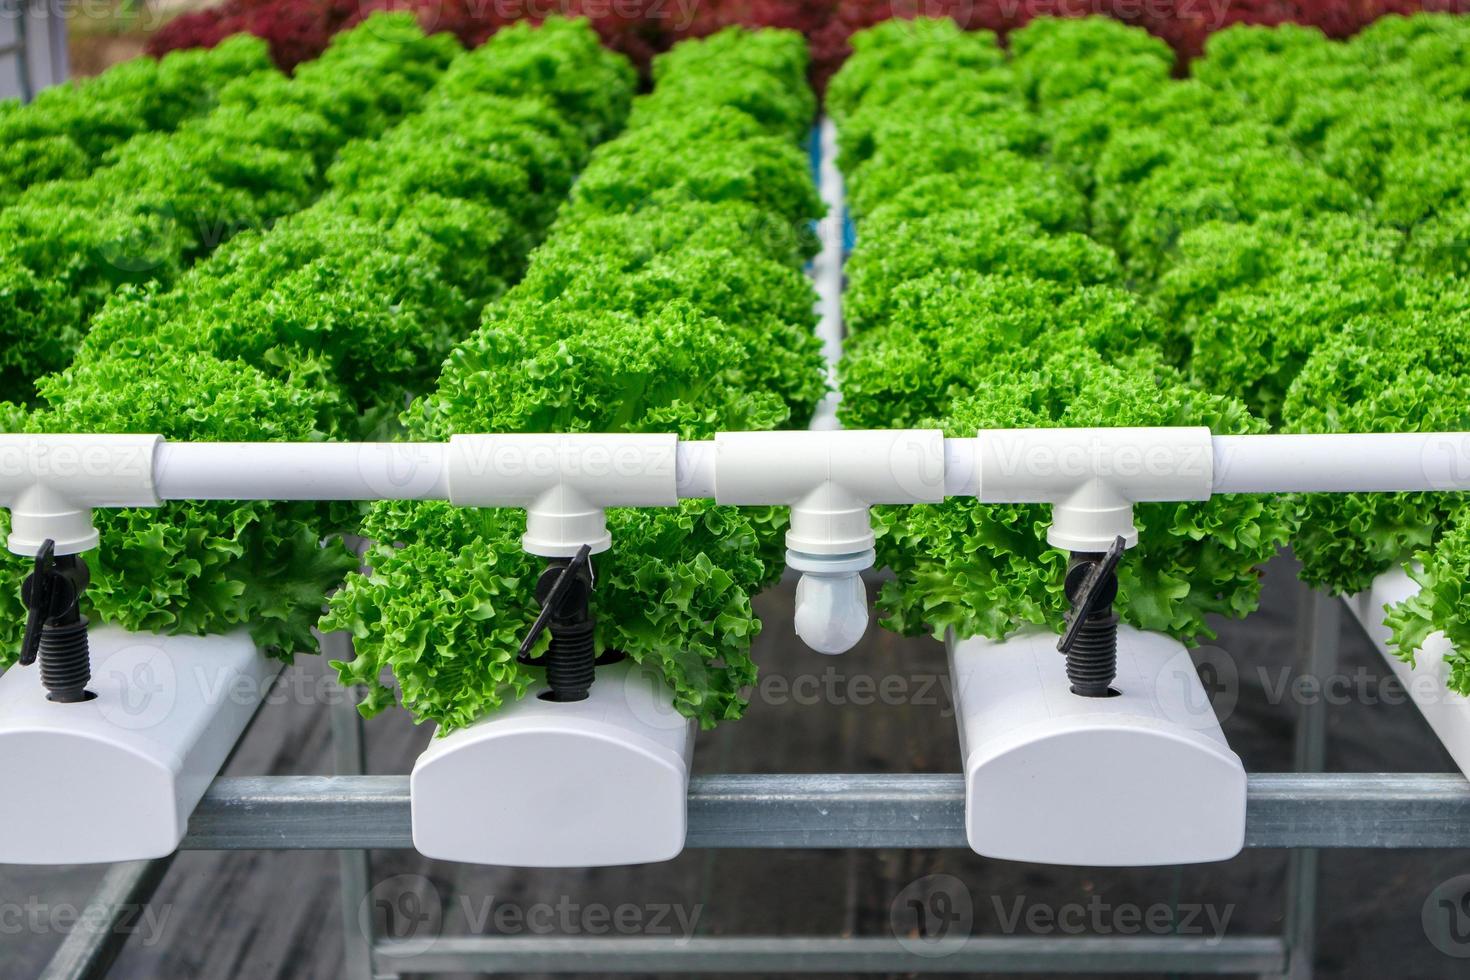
x,y
1332,463
565,482
1092,477
1342,463
695,469
302,471
873,466
827,273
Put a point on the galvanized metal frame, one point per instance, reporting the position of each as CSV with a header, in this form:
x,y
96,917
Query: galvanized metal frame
x,y
94,942
1130,955
826,811
1318,631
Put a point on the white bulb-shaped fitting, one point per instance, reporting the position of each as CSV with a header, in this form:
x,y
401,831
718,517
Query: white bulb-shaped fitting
x,y
830,480
831,602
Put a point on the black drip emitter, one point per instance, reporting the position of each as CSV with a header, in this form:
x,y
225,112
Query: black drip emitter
x,y
565,594
1090,636
56,630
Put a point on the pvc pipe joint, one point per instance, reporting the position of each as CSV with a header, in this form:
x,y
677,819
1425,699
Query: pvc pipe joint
x,y
564,482
830,480
1092,477
50,483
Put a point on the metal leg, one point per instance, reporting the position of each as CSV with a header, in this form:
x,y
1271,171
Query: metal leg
x,y
95,940
354,867
21,52
1318,632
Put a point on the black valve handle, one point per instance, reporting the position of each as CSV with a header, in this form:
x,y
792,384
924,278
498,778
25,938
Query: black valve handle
x,y
565,594
56,630
1097,590
551,603
38,593
1090,635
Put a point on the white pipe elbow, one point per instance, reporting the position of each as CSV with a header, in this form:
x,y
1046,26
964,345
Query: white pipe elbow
x,y
50,483
565,483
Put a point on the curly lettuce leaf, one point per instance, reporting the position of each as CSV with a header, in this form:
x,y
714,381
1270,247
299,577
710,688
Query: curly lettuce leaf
x,y
1442,604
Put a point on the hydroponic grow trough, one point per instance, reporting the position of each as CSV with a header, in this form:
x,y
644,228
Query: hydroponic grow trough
x,y
115,778
1426,681
539,784
1144,777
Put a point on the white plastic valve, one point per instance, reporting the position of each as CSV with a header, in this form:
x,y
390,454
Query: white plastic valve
x,y
830,480
50,483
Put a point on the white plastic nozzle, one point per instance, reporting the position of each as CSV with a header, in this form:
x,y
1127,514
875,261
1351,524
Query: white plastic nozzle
x,y
565,482
50,483
831,602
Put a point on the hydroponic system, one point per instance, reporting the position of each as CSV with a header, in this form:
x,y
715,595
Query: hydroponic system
x,y
534,381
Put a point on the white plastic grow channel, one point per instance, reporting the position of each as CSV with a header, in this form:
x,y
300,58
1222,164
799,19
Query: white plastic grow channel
x,y
1446,712
115,778
587,784
827,274
1142,778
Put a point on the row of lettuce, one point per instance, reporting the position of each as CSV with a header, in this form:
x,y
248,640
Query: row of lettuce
x,y
163,199
68,130
321,325
977,300
1068,236
1312,243
669,296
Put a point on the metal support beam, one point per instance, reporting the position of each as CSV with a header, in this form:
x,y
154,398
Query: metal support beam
x,y
93,943
1319,630
354,867
770,956
1382,810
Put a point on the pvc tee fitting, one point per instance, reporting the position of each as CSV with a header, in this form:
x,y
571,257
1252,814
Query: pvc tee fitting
x,y
830,480
564,482
1091,477
50,483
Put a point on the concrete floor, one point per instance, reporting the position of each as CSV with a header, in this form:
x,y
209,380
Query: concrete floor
x,y
276,914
